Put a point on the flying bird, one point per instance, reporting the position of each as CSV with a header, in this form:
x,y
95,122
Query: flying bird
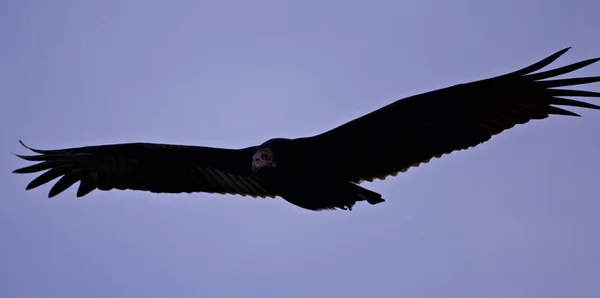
x,y
324,171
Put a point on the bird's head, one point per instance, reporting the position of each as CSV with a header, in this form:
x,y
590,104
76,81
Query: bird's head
x,y
263,158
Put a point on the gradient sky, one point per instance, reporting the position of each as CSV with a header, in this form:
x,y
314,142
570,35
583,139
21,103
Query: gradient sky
x,y
515,217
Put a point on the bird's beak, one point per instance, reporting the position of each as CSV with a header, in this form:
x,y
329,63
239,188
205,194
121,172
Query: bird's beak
x,y
259,163
255,166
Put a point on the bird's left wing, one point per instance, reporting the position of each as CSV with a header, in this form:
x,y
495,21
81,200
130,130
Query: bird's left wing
x,y
158,168
416,129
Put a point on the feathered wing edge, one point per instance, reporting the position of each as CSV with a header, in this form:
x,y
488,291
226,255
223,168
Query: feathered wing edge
x,y
539,104
556,94
61,162
58,163
540,80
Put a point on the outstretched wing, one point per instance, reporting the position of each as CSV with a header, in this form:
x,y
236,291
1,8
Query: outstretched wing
x,y
416,129
157,168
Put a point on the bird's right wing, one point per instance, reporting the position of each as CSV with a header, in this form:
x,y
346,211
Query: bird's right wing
x,y
157,168
416,129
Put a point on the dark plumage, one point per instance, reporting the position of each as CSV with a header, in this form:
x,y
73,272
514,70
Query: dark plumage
x,y
322,171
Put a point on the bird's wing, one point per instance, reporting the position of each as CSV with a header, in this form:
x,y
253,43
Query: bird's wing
x,y
416,129
158,168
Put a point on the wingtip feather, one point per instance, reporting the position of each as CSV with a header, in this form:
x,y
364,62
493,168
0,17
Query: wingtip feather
x,y
540,64
40,151
23,144
562,70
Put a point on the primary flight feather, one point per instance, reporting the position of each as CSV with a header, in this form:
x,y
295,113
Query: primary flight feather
x,y
323,171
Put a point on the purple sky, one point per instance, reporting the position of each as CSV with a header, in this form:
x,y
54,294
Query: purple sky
x,y
515,217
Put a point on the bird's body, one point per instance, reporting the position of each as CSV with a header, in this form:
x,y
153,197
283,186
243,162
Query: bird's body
x,y
323,171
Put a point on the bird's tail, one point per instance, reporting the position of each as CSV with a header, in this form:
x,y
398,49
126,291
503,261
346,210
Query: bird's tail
x,y
367,195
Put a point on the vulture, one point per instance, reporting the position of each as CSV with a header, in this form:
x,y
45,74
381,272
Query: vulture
x,y
323,172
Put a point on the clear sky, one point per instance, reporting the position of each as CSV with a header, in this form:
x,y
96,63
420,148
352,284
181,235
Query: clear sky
x,y
515,217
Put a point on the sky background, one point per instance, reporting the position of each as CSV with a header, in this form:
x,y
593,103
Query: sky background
x,y
515,217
